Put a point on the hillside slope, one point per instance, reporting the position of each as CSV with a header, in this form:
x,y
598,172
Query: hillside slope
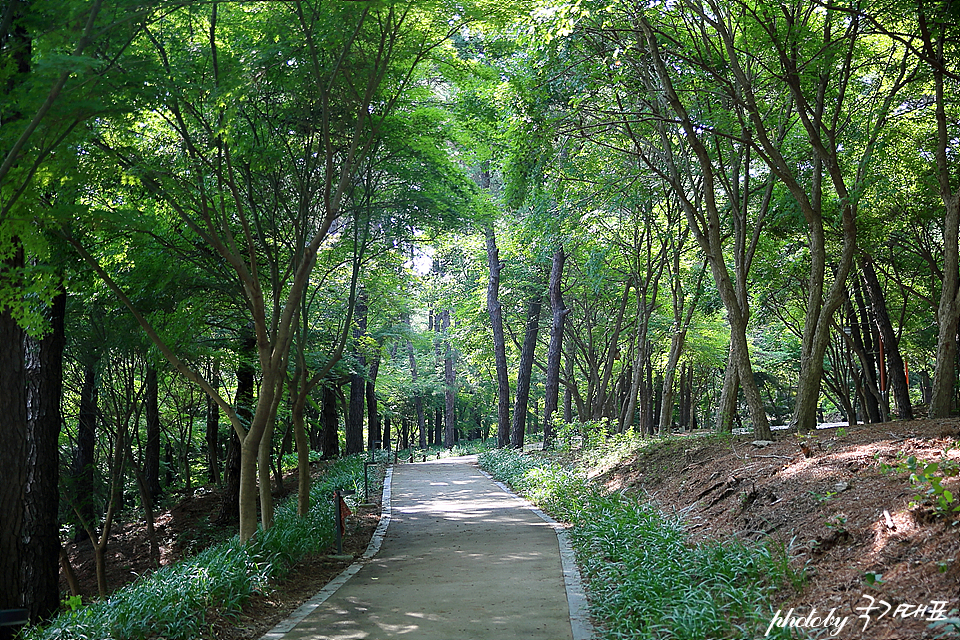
x,y
842,502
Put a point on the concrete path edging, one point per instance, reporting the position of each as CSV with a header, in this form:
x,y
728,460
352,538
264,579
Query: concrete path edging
x,y
580,622
308,607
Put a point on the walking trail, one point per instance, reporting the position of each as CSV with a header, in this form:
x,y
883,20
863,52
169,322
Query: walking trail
x,y
461,559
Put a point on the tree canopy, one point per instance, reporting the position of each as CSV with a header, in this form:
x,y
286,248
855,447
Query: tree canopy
x,y
339,225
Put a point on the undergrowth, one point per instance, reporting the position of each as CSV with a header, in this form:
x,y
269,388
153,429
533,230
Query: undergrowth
x,y
645,578
172,602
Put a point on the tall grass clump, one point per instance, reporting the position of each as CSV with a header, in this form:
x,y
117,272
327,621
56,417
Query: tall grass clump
x,y
645,578
172,602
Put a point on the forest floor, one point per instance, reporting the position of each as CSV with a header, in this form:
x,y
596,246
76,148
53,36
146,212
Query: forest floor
x,y
845,510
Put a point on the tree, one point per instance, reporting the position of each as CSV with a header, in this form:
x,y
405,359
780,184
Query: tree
x,y
525,370
495,310
239,215
555,350
13,444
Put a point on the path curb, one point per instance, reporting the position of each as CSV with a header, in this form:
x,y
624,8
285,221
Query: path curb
x,y
295,618
580,623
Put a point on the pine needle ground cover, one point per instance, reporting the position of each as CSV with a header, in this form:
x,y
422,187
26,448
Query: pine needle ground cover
x,y
645,578
173,602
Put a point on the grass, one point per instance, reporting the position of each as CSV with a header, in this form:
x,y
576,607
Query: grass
x,y
173,602
645,578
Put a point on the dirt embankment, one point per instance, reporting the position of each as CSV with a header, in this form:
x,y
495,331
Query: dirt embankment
x,y
841,501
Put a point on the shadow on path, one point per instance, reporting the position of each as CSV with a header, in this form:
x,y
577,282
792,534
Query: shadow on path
x,y
461,559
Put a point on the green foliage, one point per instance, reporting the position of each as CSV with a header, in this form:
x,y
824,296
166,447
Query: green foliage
x,y
173,601
290,460
928,477
948,627
645,578
585,435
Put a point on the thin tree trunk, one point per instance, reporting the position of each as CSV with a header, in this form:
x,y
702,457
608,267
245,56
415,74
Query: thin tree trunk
x,y
70,576
449,392
151,463
861,335
555,349
667,394
495,310
303,455
527,353
354,425
213,440
896,371
567,391
85,460
417,394
148,513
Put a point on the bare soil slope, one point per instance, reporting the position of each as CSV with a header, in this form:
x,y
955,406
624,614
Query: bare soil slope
x,y
845,508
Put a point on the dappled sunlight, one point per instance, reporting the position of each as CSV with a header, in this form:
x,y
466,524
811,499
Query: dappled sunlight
x,y
904,526
453,537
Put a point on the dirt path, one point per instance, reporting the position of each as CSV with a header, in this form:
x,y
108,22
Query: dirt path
x,y
461,558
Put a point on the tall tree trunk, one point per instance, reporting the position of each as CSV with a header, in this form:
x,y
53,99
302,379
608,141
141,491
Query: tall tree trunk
x,y
438,427
495,311
151,462
212,438
386,434
861,335
629,409
527,352
567,391
13,445
84,464
148,512
230,503
312,414
647,393
896,371
449,391
555,349
948,311
330,440
374,437
684,399
41,540
354,426
414,378
669,386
